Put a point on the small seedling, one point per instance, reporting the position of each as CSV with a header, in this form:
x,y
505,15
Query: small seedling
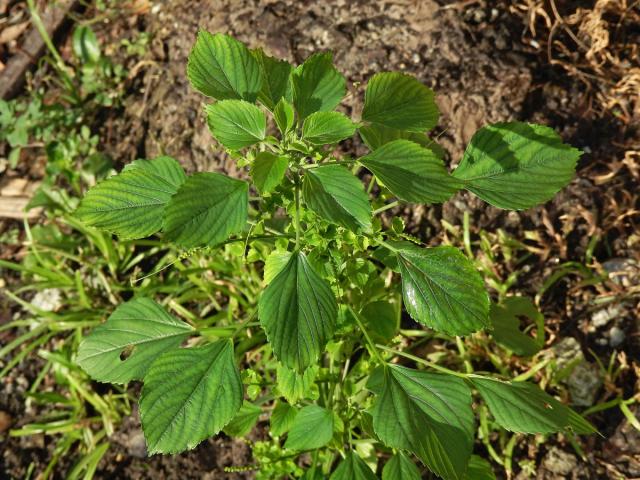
x,y
329,365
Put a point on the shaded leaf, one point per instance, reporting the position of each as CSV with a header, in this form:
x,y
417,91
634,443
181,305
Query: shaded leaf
x,y
335,194
400,467
428,414
295,386
479,469
506,325
317,85
383,320
206,210
516,165
353,468
522,407
411,172
282,418
284,116
276,79
312,428
244,421
189,394
268,171
399,101
442,289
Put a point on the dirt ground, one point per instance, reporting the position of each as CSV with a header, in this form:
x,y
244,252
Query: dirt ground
x,y
486,65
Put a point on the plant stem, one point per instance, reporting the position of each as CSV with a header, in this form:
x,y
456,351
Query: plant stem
x,y
386,207
59,63
372,345
297,194
427,363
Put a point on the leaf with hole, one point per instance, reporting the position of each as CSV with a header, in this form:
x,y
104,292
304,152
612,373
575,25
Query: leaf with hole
x,y
188,395
124,347
506,325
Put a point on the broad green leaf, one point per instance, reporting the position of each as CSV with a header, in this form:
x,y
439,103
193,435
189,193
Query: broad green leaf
x,y
223,68
123,348
442,289
274,263
411,172
506,325
335,194
189,394
522,407
295,386
268,171
298,312
312,428
244,421
580,425
400,467
317,85
428,414
282,418
131,204
374,136
284,115
85,44
206,210
479,469
321,128
383,320
276,79
236,124
399,101
353,468
516,165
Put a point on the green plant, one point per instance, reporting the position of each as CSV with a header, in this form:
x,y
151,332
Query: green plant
x,y
321,358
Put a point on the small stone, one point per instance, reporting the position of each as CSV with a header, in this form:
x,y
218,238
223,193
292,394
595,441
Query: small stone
x,y
623,271
567,351
616,336
602,317
584,383
5,421
559,462
48,300
136,444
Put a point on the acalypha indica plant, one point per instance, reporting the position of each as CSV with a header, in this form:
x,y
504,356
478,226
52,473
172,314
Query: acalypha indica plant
x,y
343,395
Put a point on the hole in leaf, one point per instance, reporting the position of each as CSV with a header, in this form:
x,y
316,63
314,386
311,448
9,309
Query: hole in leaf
x,y
127,352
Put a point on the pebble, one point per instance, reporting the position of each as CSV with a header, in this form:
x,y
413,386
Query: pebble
x,y
559,462
584,382
616,336
5,421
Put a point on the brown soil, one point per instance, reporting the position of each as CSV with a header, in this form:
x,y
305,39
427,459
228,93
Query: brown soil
x,y
486,65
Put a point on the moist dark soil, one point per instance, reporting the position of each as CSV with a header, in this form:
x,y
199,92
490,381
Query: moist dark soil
x,y
475,55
